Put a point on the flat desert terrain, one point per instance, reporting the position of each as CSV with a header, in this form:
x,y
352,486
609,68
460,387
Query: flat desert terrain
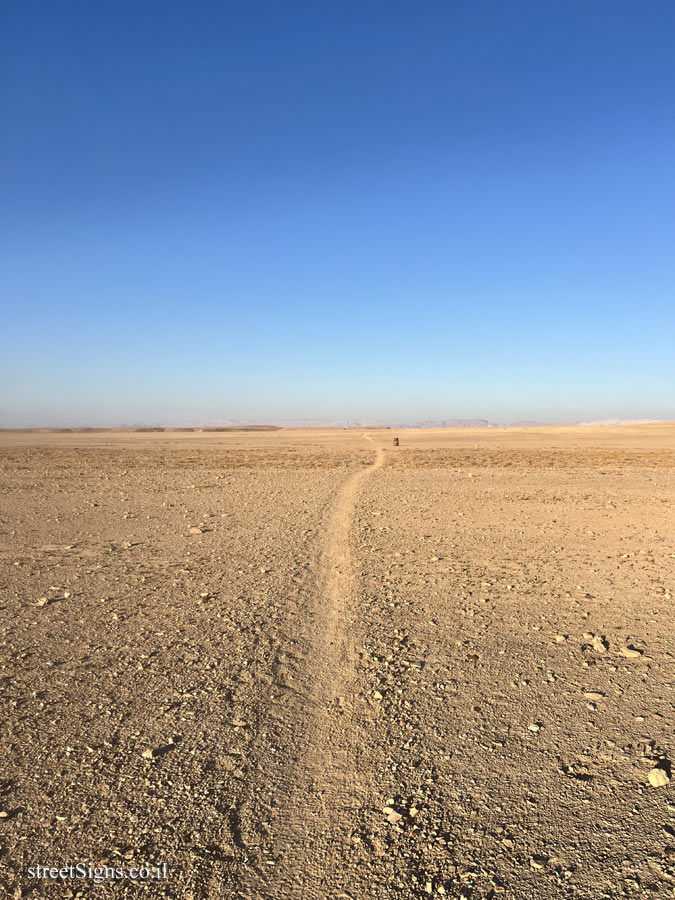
x,y
307,664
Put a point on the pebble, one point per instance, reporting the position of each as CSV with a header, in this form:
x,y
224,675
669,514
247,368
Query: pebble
x,y
392,816
658,777
594,695
599,644
631,652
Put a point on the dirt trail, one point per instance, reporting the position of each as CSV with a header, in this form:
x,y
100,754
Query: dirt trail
x,y
323,788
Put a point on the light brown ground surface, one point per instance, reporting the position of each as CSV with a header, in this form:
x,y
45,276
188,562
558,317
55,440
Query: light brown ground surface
x,y
253,644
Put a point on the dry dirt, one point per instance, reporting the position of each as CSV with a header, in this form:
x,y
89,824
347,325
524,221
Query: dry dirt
x,y
307,664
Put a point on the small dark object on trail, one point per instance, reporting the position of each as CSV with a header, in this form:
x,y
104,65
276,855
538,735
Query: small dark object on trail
x,y
395,442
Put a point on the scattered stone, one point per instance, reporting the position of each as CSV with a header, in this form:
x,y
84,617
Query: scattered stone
x,y
631,652
538,862
600,644
392,816
658,777
533,727
594,695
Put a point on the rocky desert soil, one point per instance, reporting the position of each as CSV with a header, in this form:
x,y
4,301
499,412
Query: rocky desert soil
x,y
307,664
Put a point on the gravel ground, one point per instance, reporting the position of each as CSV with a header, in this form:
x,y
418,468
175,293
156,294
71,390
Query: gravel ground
x,y
306,664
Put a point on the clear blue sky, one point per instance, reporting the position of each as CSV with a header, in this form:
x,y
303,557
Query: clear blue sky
x,y
273,210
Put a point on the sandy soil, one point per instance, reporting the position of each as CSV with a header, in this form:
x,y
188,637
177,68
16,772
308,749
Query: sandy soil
x,y
307,664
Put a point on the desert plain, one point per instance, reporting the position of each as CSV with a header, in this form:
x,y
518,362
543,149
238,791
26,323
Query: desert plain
x,y
309,664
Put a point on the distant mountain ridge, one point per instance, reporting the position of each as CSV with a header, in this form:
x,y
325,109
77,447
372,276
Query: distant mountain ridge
x,y
384,423
402,425
248,425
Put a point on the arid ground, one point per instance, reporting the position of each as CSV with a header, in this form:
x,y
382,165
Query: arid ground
x,y
307,664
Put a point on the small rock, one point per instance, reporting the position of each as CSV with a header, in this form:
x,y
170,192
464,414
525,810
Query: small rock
x,y
538,862
631,652
599,644
392,816
533,727
658,777
594,695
